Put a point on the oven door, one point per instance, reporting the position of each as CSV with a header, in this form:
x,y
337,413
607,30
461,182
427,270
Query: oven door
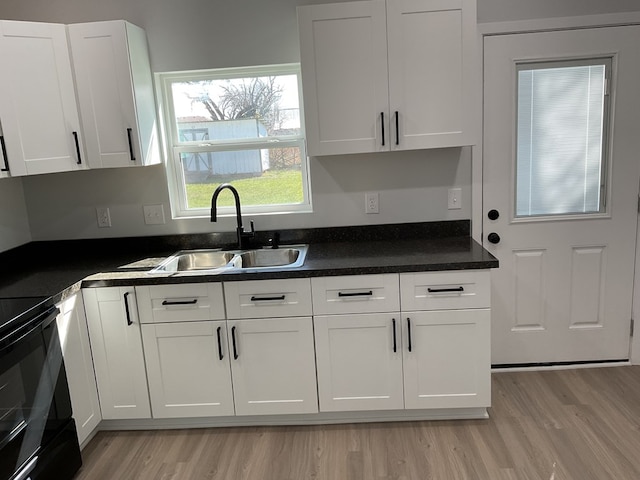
x,y
34,395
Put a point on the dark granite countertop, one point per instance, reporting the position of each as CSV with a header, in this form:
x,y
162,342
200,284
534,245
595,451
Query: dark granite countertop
x,y
59,268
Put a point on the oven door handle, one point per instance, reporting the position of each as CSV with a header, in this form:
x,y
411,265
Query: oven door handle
x,y
36,324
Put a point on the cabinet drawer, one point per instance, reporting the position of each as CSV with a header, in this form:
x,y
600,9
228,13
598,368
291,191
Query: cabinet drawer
x,y
356,294
268,298
445,290
180,303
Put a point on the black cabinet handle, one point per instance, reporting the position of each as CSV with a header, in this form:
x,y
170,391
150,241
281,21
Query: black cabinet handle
x,y
233,341
382,126
409,331
443,290
75,137
4,155
220,344
397,130
131,154
180,302
356,294
395,346
267,299
126,308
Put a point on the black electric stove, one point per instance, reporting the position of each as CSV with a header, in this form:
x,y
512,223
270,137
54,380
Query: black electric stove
x,y
38,439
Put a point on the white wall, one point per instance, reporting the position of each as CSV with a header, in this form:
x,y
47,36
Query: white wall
x,y
412,186
14,224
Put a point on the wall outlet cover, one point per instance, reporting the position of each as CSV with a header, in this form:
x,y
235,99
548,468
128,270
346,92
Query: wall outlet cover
x,y
153,214
104,217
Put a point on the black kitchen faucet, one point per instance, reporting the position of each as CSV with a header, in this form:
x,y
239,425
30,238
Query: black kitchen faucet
x,y
243,237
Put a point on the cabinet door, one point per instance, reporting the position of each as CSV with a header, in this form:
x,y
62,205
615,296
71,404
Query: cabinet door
x,y
188,369
106,55
343,49
116,343
38,110
78,362
359,360
447,358
273,366
431,74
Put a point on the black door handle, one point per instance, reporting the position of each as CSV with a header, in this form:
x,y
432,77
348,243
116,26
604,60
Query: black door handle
x,y
131,154
397,130
493,237
233,341
4,155
126,308
409,332
220,344
382,126
75,137
395,347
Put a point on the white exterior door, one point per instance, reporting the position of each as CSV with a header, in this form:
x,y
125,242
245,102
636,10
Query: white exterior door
x,y
564,288
273,366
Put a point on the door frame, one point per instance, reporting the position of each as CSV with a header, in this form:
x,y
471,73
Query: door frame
x,y
477,185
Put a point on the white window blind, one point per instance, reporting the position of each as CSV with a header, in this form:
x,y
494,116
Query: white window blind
x,y
560,138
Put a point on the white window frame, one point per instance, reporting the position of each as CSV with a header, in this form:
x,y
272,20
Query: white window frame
x,y
607,120
174,147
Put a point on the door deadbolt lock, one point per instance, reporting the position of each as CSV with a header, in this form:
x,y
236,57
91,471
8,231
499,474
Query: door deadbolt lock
x,y
493,237
493,214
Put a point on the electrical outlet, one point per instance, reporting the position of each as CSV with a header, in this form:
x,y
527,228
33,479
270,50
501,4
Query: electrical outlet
x,y
104,217
371,200
153,214
455,199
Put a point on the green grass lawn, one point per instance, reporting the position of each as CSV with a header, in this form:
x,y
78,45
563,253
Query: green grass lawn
x,y
273,187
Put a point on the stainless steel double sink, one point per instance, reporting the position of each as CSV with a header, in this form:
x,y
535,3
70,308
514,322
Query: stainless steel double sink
x,y
209,261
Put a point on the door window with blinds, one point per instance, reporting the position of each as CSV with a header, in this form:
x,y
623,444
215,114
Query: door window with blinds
x,y
561,149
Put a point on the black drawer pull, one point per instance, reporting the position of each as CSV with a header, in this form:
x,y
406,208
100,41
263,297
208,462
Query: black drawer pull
x,y
220,344
267,299
356,294
126,308
180,302
445,290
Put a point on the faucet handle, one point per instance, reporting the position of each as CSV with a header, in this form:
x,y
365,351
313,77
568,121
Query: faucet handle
x,y
251,224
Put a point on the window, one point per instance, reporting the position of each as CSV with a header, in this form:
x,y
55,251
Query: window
x,y
241,126
562,120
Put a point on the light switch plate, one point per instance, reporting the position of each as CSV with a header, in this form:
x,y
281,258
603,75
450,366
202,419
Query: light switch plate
x,y
153,214
455,199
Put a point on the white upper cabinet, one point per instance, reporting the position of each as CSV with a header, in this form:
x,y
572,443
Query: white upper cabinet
x,y
384,76
115,93
38,112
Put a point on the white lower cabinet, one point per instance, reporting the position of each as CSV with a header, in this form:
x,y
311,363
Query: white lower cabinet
x,y
116,343
273,366
359,361
446,358
78,362
188,369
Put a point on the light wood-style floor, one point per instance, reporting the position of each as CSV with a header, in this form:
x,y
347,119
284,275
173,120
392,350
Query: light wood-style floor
x,y
581,424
